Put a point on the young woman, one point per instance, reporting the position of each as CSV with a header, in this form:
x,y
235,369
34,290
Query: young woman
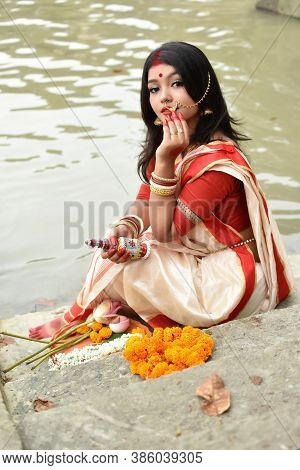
x,y
216,253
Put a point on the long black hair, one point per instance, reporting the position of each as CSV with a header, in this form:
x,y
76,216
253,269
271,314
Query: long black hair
x,y
193,66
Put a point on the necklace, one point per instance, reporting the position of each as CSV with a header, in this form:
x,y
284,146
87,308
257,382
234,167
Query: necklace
x,y
189,148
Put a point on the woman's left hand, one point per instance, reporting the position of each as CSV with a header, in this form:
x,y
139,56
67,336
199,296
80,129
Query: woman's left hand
x,y
175,138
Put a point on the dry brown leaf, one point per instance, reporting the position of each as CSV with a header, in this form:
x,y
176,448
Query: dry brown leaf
x,y
3,378
42,405
5,340
216,397
256,379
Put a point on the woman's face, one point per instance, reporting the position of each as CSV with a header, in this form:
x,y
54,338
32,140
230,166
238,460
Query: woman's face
x,y
166,87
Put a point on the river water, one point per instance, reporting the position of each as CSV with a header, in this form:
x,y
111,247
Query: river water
x,y
71,128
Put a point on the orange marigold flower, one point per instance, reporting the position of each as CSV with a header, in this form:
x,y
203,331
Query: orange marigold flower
x,y
133,367
170,334
94,337
96,326
155,359
105,332
83,329
177,331
158,333
135,350
160,369
167,350
193,359
139,330
143,369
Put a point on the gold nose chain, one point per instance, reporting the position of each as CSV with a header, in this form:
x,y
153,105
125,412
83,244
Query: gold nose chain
x,y
179,105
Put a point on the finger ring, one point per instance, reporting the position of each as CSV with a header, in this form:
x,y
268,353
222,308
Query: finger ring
x,y
181,131
174,133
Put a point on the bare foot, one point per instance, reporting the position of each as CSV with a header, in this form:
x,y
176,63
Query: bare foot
x,y
46,330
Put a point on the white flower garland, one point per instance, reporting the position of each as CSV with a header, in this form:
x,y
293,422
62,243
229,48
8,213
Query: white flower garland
x,y
89,353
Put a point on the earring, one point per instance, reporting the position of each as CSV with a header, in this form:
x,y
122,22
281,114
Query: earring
x,y
157,122
206,111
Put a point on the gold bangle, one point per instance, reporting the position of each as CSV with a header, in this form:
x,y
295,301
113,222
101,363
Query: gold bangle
x,y
132,228
162,186
162,192
132,222
138,219
167,180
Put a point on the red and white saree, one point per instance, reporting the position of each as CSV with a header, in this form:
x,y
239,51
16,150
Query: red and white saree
x,y
197,279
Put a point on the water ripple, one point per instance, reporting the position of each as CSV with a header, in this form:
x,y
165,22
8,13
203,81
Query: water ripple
x,y
135,22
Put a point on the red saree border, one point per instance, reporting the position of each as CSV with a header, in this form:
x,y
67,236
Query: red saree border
x,y
283,287
225,235
248,266
222,232
204,162
76,311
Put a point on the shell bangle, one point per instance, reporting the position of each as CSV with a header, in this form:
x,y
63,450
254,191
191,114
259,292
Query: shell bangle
x,y
162,186
148,245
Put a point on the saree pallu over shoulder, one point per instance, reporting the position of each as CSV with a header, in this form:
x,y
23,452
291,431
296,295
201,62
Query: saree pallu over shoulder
x,y
224,157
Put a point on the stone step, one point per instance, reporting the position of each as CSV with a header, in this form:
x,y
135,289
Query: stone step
x,y
9,436
98,405
282,7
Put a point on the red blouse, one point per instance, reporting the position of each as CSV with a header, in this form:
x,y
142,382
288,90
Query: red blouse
x,y
214,191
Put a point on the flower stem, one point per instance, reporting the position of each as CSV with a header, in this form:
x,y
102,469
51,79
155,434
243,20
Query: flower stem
x,y
61,348
5,333
65,335
36,358
63,345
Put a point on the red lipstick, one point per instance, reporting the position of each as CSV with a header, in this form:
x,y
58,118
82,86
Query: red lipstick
x,y
165,110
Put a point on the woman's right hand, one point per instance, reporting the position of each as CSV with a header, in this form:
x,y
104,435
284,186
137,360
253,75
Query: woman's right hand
x,y
113,254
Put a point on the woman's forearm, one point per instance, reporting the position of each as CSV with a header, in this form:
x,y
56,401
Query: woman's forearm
x,y
161,208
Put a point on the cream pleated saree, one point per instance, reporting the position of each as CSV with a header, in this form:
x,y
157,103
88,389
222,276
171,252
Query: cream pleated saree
x,y
198,279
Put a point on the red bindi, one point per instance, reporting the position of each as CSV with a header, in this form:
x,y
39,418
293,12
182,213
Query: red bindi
x,y
160,74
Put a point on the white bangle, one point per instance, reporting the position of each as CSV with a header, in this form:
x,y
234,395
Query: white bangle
x,y
148,244
162,186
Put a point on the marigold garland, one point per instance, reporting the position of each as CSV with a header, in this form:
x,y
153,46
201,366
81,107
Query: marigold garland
x,y
167,350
